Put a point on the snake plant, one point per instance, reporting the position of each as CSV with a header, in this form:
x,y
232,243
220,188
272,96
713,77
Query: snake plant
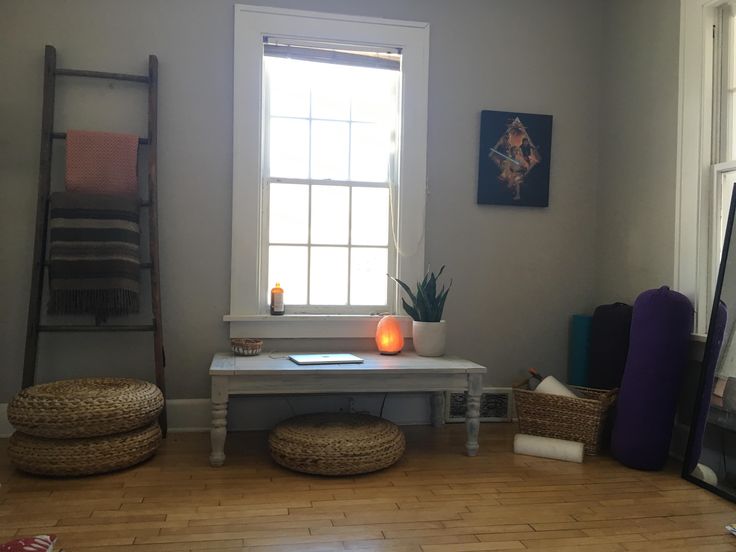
x,y
427,303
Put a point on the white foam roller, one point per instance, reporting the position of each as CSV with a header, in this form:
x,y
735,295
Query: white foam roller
x,y
552,386
545,447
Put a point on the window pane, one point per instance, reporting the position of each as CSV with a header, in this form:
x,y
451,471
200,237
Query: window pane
x,y
370,216
730,52
368,280
374,94
730,125
330,214
330,150
328,278
288,213
288,87
330,91
369,152
289,148
288,266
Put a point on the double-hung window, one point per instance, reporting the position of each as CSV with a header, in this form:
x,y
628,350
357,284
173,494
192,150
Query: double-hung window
x,y
330,119
706,169
723,150
329,168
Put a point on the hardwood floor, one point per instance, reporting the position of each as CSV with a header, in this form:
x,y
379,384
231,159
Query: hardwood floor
x,y
434,500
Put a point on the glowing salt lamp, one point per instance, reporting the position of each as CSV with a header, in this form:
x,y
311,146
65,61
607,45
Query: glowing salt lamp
x,y
389,338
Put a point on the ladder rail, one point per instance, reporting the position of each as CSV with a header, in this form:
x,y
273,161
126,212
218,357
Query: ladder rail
x,y
40,263
44,189
158,339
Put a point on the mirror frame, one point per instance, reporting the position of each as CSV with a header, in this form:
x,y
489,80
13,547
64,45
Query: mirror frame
x,y
709,345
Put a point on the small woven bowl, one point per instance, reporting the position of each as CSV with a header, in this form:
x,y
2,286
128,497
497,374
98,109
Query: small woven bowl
x,y
246,346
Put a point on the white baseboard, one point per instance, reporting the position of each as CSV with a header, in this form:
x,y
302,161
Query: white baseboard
x,y
261,412
188,415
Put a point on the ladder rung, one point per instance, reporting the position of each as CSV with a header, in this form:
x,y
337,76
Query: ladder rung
x,y
143,266
111,328
102,75
62,136
141,202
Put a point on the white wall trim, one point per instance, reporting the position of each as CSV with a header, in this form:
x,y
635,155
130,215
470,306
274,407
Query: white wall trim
x,y
693,193
310,326
251,24
188,415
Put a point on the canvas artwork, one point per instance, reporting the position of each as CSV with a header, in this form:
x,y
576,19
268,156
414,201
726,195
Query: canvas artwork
x,y
515,150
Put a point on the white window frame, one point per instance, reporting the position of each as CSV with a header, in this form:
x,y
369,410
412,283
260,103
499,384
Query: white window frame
x,y
252,23
697,145
720,172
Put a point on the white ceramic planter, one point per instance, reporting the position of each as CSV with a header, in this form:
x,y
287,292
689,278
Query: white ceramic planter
x,y
429,338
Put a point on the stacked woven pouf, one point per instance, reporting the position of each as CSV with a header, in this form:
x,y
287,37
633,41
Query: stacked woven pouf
x,y
84,426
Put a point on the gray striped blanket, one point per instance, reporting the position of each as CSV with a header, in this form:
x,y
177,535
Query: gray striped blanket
x,y
94,257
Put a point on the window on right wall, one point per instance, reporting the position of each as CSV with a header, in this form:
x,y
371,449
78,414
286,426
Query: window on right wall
x,y
723,141
706,149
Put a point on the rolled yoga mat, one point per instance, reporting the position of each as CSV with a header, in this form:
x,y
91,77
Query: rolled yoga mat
x,y
545,447
579,341
608,346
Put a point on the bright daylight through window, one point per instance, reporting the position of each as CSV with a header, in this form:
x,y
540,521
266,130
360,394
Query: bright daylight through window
x,y
724,117
331,133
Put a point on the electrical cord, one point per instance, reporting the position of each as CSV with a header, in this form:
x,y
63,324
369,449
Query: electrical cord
x,y
383,403
291,407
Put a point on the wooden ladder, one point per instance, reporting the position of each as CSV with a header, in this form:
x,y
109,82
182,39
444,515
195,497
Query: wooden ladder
x,y
51,72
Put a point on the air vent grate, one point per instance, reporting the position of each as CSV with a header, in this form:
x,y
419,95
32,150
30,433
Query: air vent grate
x,y
496,405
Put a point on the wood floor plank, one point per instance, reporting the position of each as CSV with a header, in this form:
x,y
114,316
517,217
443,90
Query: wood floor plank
x,y
473,546
435,499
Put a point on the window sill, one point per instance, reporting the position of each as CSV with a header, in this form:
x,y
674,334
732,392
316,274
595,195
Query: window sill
x,y
698,337
326,326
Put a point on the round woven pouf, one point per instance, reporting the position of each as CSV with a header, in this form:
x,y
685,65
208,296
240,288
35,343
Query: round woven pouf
x,y
70,457
336,444
86,407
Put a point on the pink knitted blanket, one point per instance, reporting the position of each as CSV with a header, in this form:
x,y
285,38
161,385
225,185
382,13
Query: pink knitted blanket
x,y
101,162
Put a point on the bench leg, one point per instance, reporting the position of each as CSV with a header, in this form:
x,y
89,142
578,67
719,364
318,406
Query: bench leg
x,y
218,433
472,413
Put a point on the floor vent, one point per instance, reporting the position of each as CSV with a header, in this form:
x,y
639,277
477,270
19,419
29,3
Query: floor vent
x,y
496,405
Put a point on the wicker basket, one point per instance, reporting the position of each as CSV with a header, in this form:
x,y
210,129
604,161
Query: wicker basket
x,y
246,346
88,407
74,457
336,444
573,419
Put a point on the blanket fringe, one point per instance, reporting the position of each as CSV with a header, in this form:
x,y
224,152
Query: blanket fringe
x,y
99,302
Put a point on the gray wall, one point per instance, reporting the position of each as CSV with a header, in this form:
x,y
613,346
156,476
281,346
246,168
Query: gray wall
x,y
519,272
638,148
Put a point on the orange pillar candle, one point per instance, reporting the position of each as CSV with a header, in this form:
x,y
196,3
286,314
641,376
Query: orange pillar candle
x,y
389,338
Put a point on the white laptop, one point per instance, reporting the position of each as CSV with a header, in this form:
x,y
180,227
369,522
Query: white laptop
x,y
333,358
